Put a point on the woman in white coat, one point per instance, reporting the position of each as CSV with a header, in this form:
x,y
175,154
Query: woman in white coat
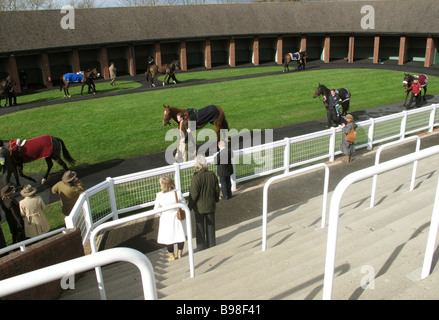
x,y
171,229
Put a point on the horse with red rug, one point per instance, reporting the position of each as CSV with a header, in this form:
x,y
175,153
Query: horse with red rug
x,y
407,83
24,151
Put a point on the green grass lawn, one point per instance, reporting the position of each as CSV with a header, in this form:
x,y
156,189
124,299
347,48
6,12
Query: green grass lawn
x,y
108,128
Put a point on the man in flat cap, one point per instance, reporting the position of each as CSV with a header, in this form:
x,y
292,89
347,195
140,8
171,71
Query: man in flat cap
x,y
68,189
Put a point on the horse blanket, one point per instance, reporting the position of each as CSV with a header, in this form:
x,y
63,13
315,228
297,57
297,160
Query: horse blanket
x,y
295,56
33,149
203,115
74,77
423,80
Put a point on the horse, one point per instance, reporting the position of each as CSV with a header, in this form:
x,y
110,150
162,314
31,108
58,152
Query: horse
x,y
168,70
45,146
407,82
7,91
210,114
343,94
300,57
85,78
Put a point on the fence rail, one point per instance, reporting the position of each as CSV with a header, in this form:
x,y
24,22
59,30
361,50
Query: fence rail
x,y
124,194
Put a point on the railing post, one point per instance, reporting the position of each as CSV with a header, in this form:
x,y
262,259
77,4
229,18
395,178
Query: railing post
x,y
233,177
432,116
287,155
332,145
112,196
403,124
370,134
177,176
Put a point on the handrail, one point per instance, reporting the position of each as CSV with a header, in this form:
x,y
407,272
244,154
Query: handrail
x,y
81,264
112,224
377,161
283,176
337,195
432,235
22,244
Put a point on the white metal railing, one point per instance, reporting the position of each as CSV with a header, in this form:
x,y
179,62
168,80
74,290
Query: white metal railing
x,y
112,224
288,175
137,191
432,236
22,244
377,161
334,209
71,267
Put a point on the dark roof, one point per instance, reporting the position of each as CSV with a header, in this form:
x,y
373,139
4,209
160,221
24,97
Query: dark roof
x,y
41,30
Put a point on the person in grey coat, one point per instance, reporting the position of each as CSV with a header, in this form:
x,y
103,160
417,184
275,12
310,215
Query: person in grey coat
x,y
347,147
223,160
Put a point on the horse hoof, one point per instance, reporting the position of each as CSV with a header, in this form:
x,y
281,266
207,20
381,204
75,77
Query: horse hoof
x,y
163,84
43,181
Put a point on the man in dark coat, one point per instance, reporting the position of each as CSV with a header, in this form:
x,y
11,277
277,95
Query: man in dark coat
x,y
203,196
223,159
12,211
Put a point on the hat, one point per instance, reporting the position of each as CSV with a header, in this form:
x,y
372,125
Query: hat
x,y
68,176
7,190
28,191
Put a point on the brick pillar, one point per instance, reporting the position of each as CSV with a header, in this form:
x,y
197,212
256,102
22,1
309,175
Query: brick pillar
x,y
232,61
351,49
132,60
279,50
429,52
402,49
157,54
75,60
327,49
376,49
13,71
104,63
46,70
183,55
303,43
255,50
207,54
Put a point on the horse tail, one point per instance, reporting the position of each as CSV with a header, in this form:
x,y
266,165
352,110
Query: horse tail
x,y
61,83
65,152
225,123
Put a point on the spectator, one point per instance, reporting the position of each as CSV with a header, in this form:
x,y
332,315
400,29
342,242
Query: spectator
x,y
347,147
171,229
203,196
6,164
12,211
68,189
113,72
31,209
182,148
223,159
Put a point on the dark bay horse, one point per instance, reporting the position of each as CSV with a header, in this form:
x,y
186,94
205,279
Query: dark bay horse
x,y
343,94
153,70
407,82
210,114
84,78
45,146
300,57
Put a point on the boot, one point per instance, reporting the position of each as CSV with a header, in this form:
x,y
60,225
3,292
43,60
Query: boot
x,y
179,254
171,256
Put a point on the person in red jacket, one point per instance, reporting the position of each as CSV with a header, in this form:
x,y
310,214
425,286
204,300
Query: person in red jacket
x,y
415,88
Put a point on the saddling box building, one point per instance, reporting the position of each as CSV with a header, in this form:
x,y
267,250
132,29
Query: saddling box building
x,y
215,35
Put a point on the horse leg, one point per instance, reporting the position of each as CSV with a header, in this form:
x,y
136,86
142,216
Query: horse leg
x,y
82,88
425,92
20,171
406,97
49,167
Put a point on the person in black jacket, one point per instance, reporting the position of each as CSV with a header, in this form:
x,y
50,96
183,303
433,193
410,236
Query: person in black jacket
x,y
12,211
223,159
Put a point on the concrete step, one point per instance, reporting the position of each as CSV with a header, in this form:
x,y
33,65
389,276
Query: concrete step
x,y
292,266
